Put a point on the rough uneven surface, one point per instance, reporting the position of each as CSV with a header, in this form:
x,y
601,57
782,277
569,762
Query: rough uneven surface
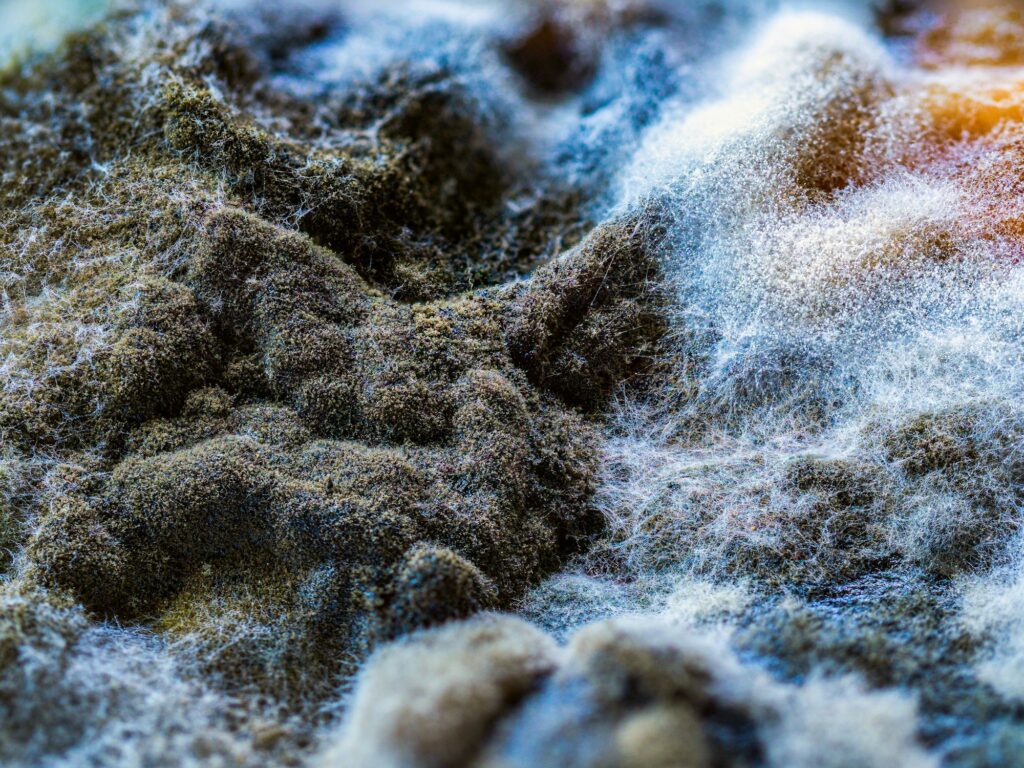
x,y
273,387
334,335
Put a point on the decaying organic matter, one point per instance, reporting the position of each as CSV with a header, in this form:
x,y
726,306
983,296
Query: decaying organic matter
x,y
332,333
280,397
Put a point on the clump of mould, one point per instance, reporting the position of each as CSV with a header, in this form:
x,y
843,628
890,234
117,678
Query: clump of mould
x,y
267,355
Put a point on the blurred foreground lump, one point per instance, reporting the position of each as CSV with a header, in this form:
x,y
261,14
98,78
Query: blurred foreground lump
x,y
495,692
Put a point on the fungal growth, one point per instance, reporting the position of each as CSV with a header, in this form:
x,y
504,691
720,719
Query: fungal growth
x,y
590,383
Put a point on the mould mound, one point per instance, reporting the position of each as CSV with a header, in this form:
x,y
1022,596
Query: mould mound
x,y
294,369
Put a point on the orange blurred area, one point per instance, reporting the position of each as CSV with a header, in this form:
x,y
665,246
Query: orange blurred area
x,y
967,107
975,33
969,98
975,51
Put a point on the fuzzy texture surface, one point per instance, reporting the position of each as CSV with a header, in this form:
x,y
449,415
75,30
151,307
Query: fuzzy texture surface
x,y
334,336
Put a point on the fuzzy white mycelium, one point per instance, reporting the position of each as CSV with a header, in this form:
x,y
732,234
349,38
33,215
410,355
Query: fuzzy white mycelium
x,y
843,400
